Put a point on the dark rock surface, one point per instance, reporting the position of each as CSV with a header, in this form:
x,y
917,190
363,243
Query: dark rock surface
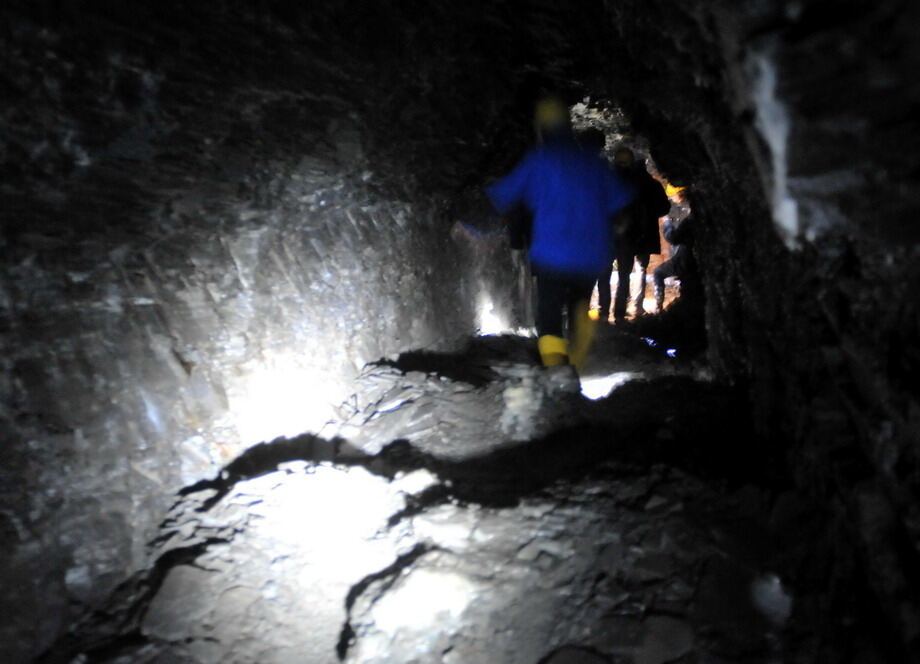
x,y
213,216
795,124
204,239
580,546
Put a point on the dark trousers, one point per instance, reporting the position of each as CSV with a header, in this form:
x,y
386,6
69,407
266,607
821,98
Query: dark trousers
x,y
557,294
662,272
624,269
683,266
603,292
625,260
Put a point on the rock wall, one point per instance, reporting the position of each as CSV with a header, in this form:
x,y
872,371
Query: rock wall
x,y
794,124
207,231
213,215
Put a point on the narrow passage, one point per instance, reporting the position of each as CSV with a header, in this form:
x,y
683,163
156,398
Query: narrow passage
x,y
466,508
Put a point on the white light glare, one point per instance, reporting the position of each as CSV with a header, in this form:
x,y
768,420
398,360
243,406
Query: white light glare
x,y
422,604
598,387
426,599
354,503
490,322
280,398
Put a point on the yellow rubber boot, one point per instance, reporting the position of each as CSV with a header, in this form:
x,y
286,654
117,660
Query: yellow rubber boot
x,y
554,351
582,334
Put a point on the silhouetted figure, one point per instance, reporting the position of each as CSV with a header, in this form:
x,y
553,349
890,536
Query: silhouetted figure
x,y
682,263
594,140
572,195
637,235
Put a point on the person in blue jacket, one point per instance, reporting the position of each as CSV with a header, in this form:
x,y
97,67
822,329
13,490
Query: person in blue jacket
x,y
572,195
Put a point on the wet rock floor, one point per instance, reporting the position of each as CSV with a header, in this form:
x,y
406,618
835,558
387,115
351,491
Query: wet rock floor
x,y
473,508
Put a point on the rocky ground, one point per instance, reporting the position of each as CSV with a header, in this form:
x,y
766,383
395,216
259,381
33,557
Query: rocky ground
x,y
476,508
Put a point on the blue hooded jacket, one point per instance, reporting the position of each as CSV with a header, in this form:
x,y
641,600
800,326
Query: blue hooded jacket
x,y
572,194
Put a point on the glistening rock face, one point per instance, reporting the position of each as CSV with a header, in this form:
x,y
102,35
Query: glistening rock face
x,y
794,124
204,238
210,210
568,548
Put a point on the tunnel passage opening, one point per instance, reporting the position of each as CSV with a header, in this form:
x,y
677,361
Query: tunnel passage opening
x,y
76,139
602,124
610,118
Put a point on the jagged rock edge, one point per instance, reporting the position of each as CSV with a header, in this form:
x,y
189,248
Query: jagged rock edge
x,y
126,620
496,479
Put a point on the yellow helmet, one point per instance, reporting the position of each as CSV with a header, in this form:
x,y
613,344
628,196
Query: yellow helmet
x,y
551,113
670,190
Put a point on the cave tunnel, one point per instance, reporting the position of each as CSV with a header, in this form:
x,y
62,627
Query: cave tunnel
x,y
269,387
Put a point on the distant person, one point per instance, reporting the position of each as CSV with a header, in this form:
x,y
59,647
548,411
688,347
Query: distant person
x,y
637,235
681,264
571,195
595,141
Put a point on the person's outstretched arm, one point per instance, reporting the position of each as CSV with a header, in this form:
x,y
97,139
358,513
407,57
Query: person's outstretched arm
x,y
512,189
